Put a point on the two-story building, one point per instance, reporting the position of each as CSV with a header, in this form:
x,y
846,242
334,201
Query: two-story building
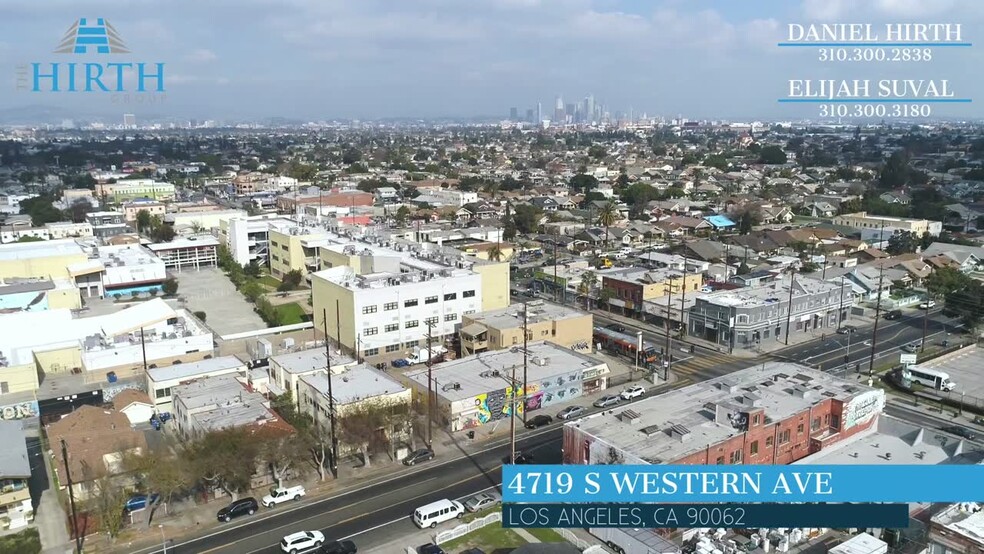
x,y
498,329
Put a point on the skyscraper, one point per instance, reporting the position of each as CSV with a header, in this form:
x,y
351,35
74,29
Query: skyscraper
x,y
129,121
559,115
539,113
530,115
589,108
513,114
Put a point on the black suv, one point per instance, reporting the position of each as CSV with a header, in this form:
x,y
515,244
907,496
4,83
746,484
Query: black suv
x,y
894,314
339,547
538,421
241,507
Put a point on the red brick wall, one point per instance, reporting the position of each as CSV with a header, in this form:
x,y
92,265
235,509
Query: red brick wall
x,y
624,290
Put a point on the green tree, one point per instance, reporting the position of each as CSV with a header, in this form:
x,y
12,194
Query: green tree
x,y
29,238
895,172
253,269
162,233
604,296
402,213
201,316
583,183
41,210
508,224
607,217
946,280
170,286
223,459
967,303
772,155
291,281
597,152
638,196
351,156
527,218
143,220
743,269
107,501
588,282
495,253
904,242
252,290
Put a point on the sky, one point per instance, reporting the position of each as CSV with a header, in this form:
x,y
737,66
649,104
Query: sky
x,y
366,59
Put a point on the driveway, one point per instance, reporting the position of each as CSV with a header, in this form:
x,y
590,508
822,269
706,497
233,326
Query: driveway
x,y
209,290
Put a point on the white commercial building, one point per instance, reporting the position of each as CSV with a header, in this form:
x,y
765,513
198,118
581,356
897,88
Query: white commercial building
x,y
65,230
128,268
248,238
192,252
162,380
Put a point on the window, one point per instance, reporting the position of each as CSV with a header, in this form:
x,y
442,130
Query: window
x,y
736,457
410,303
389,306
450,296
163,393
430,300
391,327
755,419
784,437
754,449
372,351
284,247
835,422
411,324
469,312
275,258
799,429
410,344
720,460
468,294
451,317
768,442
816,424
431,321
392,348
369,309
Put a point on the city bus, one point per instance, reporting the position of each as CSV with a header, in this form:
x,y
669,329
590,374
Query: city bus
x,y
625,344
932,378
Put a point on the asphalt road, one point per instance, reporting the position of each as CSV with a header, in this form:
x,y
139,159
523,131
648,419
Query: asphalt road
x,y
377,514
933,422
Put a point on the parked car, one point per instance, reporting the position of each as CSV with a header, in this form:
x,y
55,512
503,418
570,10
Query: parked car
x,y
846,330
430,548
634,391
927,305
912,347
301,541
339,547
482,500
571,412
959,431
400,362
283,494
520,459
538,421
606,401
139,502
419,455
894,314
617,328
241,507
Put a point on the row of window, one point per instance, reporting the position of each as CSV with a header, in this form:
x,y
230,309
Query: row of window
x,y
389,306
410,324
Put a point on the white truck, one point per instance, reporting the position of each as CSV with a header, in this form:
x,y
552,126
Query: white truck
x,y
283,494
420,355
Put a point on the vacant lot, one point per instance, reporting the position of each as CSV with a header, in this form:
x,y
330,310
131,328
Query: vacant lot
x,y
210,291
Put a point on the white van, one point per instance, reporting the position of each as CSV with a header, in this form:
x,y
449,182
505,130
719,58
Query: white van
x,y
438,512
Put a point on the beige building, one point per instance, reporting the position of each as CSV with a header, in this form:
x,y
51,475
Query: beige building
x,y
131,209
864,220
498,329
296,248
40,259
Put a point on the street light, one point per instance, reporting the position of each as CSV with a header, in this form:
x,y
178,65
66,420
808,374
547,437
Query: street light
x,y
163,540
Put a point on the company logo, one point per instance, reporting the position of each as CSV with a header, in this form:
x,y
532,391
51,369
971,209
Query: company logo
x,y
89,36
90,41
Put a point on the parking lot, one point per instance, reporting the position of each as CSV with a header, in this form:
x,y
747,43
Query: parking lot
x,y
963,367
210,291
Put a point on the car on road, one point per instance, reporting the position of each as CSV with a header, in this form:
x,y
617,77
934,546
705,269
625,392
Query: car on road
x,y
430,548
419,455
301,541
241,507
538,421
339,547
520,459
606,401
571,412
634,391
847,329
912,347
894,314
927,305
139,502
616,327
482,500
283,494
959,431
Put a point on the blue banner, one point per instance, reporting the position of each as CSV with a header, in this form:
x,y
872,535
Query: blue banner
x,y
730,516
552,484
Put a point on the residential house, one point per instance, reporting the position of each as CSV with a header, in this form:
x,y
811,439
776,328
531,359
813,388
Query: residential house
x,y
475,211
224,402
895,197
135,405
966,258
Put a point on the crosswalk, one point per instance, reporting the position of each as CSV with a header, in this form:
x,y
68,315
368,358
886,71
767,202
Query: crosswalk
x,y
691,368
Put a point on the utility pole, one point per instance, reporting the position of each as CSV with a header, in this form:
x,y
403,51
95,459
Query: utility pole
x,y
143,349
71,499
430,384
874,330
840,312
925,326
789,309
683,296
525,358
512,419
331,397
555,269
666,324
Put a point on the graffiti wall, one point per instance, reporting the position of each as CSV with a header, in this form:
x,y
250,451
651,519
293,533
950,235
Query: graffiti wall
x,y
495,405
20,410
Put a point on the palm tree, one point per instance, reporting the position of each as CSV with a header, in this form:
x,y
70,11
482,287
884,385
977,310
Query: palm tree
x,y
608,216
495,253
588,282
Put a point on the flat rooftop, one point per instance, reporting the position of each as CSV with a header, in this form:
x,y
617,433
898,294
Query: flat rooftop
x,y
355,384
896,441
780,389
966,519
643,275
124,255
304,361
221,402
486,371
189,242
537,311
774,292
13,455
40,249
18,285
196,369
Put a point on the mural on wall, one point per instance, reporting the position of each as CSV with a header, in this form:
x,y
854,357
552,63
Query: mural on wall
x,y
23,302
22,410
496,405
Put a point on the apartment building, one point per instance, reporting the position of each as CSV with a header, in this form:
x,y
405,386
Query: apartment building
x,y
222,402
65,229
162,380
132,189
201,220
746,317
498,329
40,259
127,269
107,224
864,220
152,207
188,253
296,247
248,238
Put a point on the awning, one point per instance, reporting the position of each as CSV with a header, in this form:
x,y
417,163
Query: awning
x,y
473,329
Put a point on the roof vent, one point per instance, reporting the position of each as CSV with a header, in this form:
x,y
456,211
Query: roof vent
x,y
680,432
629,416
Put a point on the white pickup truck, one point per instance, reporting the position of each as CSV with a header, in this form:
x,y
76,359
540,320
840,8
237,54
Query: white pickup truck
x,y
283,494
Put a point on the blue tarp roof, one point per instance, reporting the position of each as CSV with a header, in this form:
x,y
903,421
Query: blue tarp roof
x,y
719,221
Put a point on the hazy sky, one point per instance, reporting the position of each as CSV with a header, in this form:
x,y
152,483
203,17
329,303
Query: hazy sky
x,y
315,59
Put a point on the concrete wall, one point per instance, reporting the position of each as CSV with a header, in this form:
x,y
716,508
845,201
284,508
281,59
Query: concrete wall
x,y
495,285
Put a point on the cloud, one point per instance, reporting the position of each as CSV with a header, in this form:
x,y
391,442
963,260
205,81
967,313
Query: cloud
x,y
202,55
